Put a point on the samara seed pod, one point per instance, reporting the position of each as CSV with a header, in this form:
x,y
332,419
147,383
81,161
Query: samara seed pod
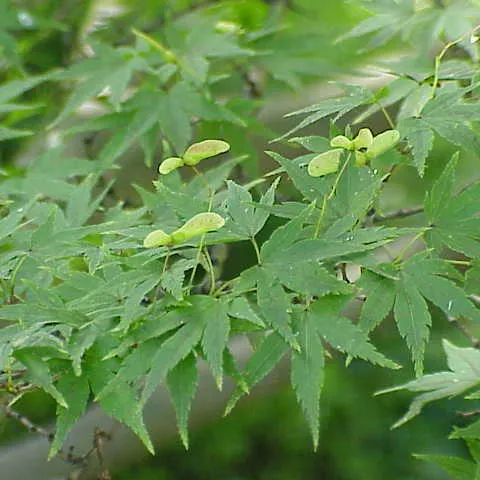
x,y
157,238
340,141
325,163
360,158
170,164
363,140
383,142
198,225
208,148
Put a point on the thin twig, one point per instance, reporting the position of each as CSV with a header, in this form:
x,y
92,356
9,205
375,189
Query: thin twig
x,y
464,329
475,298
469,414
252,86
14,375
401,213
439,57
99,439
16,388
27,423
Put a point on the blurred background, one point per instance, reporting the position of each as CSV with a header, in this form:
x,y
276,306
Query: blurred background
x,y
297,54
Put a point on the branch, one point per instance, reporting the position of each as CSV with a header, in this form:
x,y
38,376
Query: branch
x,y
100,437
466,331
252,85
28,424
402,213
475,298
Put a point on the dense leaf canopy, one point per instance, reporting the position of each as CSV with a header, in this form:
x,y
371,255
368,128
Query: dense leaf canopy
x,y
105,299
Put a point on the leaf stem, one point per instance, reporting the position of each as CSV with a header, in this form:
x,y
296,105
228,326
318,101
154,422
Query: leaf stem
x,y
164,269
327,198
224,285
337,180
194,270
200,245
387,116
168,55
202,177
257,250
439,57
14,275
320,217
211,270
465,263
400,256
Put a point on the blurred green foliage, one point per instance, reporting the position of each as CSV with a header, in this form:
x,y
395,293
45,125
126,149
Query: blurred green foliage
x,y
266,439
278,49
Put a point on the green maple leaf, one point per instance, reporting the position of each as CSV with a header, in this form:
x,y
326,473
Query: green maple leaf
x,y
356,191
454,218
388,95
182,384
471,431
380,299
420,139
260,364
246,219
335,246
387,21
339,106
413,320
40,373
307,372
100,374
275,305
428,275
472,280
420,279
464,373
447,115
172,280
341,333
9,133
308,278
285,235
311,188
175,349
109,68
76,391
458,468
146,110
16,87
215,337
